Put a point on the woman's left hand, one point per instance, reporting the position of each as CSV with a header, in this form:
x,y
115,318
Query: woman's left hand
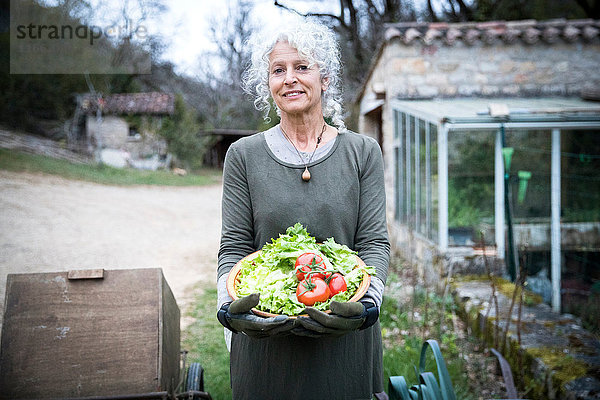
x,y
238,317
344,317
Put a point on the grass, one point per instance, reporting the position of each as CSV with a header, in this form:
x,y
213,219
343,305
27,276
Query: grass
x,y
16,161
204,341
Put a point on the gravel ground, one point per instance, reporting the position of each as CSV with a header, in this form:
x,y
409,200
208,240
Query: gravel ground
x,y
50,224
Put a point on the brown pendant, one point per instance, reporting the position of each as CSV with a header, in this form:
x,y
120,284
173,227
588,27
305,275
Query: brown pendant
x,y
306,175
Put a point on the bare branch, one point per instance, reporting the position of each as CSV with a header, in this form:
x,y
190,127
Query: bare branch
x,y
465,10
342,11
453,14
373,9
311,14
392,10
431,11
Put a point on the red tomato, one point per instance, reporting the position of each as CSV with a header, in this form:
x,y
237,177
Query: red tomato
x,y
337,284
312,290
309,262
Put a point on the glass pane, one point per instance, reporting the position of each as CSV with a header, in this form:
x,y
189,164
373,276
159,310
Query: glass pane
x,y
398,168
470,187
530,200
397,188
407,166
433,232
416,153
402,170
580,224
423,167
531,155
580,166
397,126
411,169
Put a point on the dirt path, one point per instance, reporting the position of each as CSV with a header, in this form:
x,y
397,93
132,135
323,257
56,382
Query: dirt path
x,y
51,224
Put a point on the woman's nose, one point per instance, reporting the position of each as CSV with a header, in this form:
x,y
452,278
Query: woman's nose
x,y
290,77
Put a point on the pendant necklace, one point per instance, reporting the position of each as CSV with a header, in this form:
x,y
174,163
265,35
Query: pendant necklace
x,y
306,173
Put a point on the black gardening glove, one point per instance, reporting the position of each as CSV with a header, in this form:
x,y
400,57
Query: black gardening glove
x,y
237,317
344,318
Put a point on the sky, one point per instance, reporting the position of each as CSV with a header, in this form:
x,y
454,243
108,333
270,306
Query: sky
x,y
185,26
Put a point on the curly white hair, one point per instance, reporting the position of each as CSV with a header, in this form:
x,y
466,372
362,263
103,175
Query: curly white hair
x,y
317,44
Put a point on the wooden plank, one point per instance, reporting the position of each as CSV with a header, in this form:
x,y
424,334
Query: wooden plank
x,y
170,338
86,274
84,337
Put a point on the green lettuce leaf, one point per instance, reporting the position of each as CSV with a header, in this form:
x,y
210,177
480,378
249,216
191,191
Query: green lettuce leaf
x,y
271,272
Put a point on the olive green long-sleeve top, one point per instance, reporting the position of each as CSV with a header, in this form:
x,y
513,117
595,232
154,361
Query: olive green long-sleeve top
x,y
344,199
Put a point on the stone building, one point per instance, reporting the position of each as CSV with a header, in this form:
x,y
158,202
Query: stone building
x,y
478,60
450,104
121,129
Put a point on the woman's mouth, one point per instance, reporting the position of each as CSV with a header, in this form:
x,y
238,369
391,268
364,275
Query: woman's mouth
x,y
292,94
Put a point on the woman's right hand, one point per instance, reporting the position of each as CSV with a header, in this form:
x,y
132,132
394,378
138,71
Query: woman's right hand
x,y
237,317
344,317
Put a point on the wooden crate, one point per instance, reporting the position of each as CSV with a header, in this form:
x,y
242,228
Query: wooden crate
x,y
75,336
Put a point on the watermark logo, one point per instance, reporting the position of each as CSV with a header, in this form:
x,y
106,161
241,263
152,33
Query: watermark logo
x,y
46,40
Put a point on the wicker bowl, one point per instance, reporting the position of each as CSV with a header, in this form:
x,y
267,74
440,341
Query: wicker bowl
x,y
232,281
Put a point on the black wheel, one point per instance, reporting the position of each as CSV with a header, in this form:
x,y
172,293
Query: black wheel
x,y
195,378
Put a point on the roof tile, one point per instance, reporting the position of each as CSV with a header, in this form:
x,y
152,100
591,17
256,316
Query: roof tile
x,y
531,35
570,33
452,35
495,32
431,35
550,34
129,103
589,32
472,36
410,35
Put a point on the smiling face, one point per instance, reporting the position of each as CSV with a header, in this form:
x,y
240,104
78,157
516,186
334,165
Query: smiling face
x,y
295,85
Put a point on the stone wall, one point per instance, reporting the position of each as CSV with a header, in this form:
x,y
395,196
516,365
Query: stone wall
x,y
551,355
515,70
112,130
114,133
431,264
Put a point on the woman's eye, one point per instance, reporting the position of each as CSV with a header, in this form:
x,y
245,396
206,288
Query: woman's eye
x,y
303,67
278,70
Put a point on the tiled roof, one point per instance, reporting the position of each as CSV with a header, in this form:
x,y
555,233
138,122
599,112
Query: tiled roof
x,y
130,103
495,32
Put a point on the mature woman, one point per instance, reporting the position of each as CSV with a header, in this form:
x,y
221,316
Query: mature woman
x,y
327,178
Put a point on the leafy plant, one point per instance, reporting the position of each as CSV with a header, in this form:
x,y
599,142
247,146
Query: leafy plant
x,y
404,323
427,387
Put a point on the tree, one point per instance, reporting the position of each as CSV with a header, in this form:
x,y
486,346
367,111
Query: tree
x,y
224,103
488,10
42,103
182,133
590,7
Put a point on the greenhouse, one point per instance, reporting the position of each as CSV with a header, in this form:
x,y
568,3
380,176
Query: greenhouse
x,y
517,177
